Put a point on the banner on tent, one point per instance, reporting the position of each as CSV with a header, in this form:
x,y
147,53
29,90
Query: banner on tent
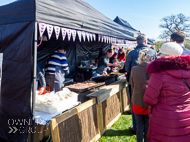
x,y
79,35
42,28
126,43
57,31
72,34
88,36
68,33
49,30
94,36
99,38
64,33
84,35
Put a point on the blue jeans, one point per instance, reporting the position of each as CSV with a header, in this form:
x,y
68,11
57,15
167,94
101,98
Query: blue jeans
x,y
96,74
133,115
142,127
59,78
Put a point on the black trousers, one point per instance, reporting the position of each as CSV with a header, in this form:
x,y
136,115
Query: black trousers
x,y
50,81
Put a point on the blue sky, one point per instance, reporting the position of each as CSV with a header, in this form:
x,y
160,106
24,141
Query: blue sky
x,y
143,15
3,2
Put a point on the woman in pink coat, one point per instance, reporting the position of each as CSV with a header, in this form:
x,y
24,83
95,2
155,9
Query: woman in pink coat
x,y
168,96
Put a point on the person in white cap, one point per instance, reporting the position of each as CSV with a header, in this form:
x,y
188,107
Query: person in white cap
x,y
170,48
168,95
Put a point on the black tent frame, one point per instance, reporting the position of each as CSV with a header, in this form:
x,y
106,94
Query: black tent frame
x,y
83,17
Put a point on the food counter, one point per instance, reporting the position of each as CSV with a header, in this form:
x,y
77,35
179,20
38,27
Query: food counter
x,y
48,106
88,121
101,105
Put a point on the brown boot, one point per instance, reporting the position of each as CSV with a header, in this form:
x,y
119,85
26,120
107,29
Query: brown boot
x,y
132,129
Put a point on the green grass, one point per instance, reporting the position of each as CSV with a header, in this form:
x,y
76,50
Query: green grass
x,y
119,132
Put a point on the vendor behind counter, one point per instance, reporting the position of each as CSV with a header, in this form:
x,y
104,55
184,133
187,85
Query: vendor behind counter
x,y
113,60
56,69
103,63
121,55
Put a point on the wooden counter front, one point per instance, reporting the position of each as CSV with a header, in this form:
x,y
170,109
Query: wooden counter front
x,y
88,121
110,104
76,125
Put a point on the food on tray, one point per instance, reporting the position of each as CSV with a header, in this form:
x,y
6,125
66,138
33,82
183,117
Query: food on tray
x,y
54,102
82,85
53,98
116,73
105,75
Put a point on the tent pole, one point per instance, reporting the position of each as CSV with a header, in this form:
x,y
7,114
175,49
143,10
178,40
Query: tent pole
x,y
34,81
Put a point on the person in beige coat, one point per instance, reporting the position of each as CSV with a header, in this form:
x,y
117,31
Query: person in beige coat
x,y
138,80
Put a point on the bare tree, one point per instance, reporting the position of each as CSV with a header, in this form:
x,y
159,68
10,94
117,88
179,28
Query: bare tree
x,y
174,23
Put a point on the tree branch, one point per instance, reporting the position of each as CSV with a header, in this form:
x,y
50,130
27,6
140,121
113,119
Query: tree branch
x,y
174,23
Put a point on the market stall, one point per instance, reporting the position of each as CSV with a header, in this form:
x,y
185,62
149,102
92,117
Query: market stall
x,y
30,31
88,121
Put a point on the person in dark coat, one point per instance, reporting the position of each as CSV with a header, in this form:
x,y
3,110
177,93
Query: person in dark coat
x,y
132,60
179,37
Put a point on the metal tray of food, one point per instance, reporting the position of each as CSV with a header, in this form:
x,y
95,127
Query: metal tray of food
x,y
79,88
104,77
117,74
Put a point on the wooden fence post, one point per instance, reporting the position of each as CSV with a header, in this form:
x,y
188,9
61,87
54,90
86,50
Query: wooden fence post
x,y
100,118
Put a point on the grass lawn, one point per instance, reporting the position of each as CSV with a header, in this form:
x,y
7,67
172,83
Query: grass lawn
x,y
119,132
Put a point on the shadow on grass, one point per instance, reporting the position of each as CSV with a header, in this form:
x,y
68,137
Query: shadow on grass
x,y
125,132
126,113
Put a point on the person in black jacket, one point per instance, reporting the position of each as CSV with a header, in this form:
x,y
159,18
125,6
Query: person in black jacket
x,y
179,37
132,60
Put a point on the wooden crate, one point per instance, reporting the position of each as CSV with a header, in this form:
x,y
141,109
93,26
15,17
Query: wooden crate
x,y
77,125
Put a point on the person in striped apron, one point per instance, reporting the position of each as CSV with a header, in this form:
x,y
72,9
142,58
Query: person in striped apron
x,y
56,69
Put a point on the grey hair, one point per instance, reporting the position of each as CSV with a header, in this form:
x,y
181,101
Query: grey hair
x,y
141,39
145,55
